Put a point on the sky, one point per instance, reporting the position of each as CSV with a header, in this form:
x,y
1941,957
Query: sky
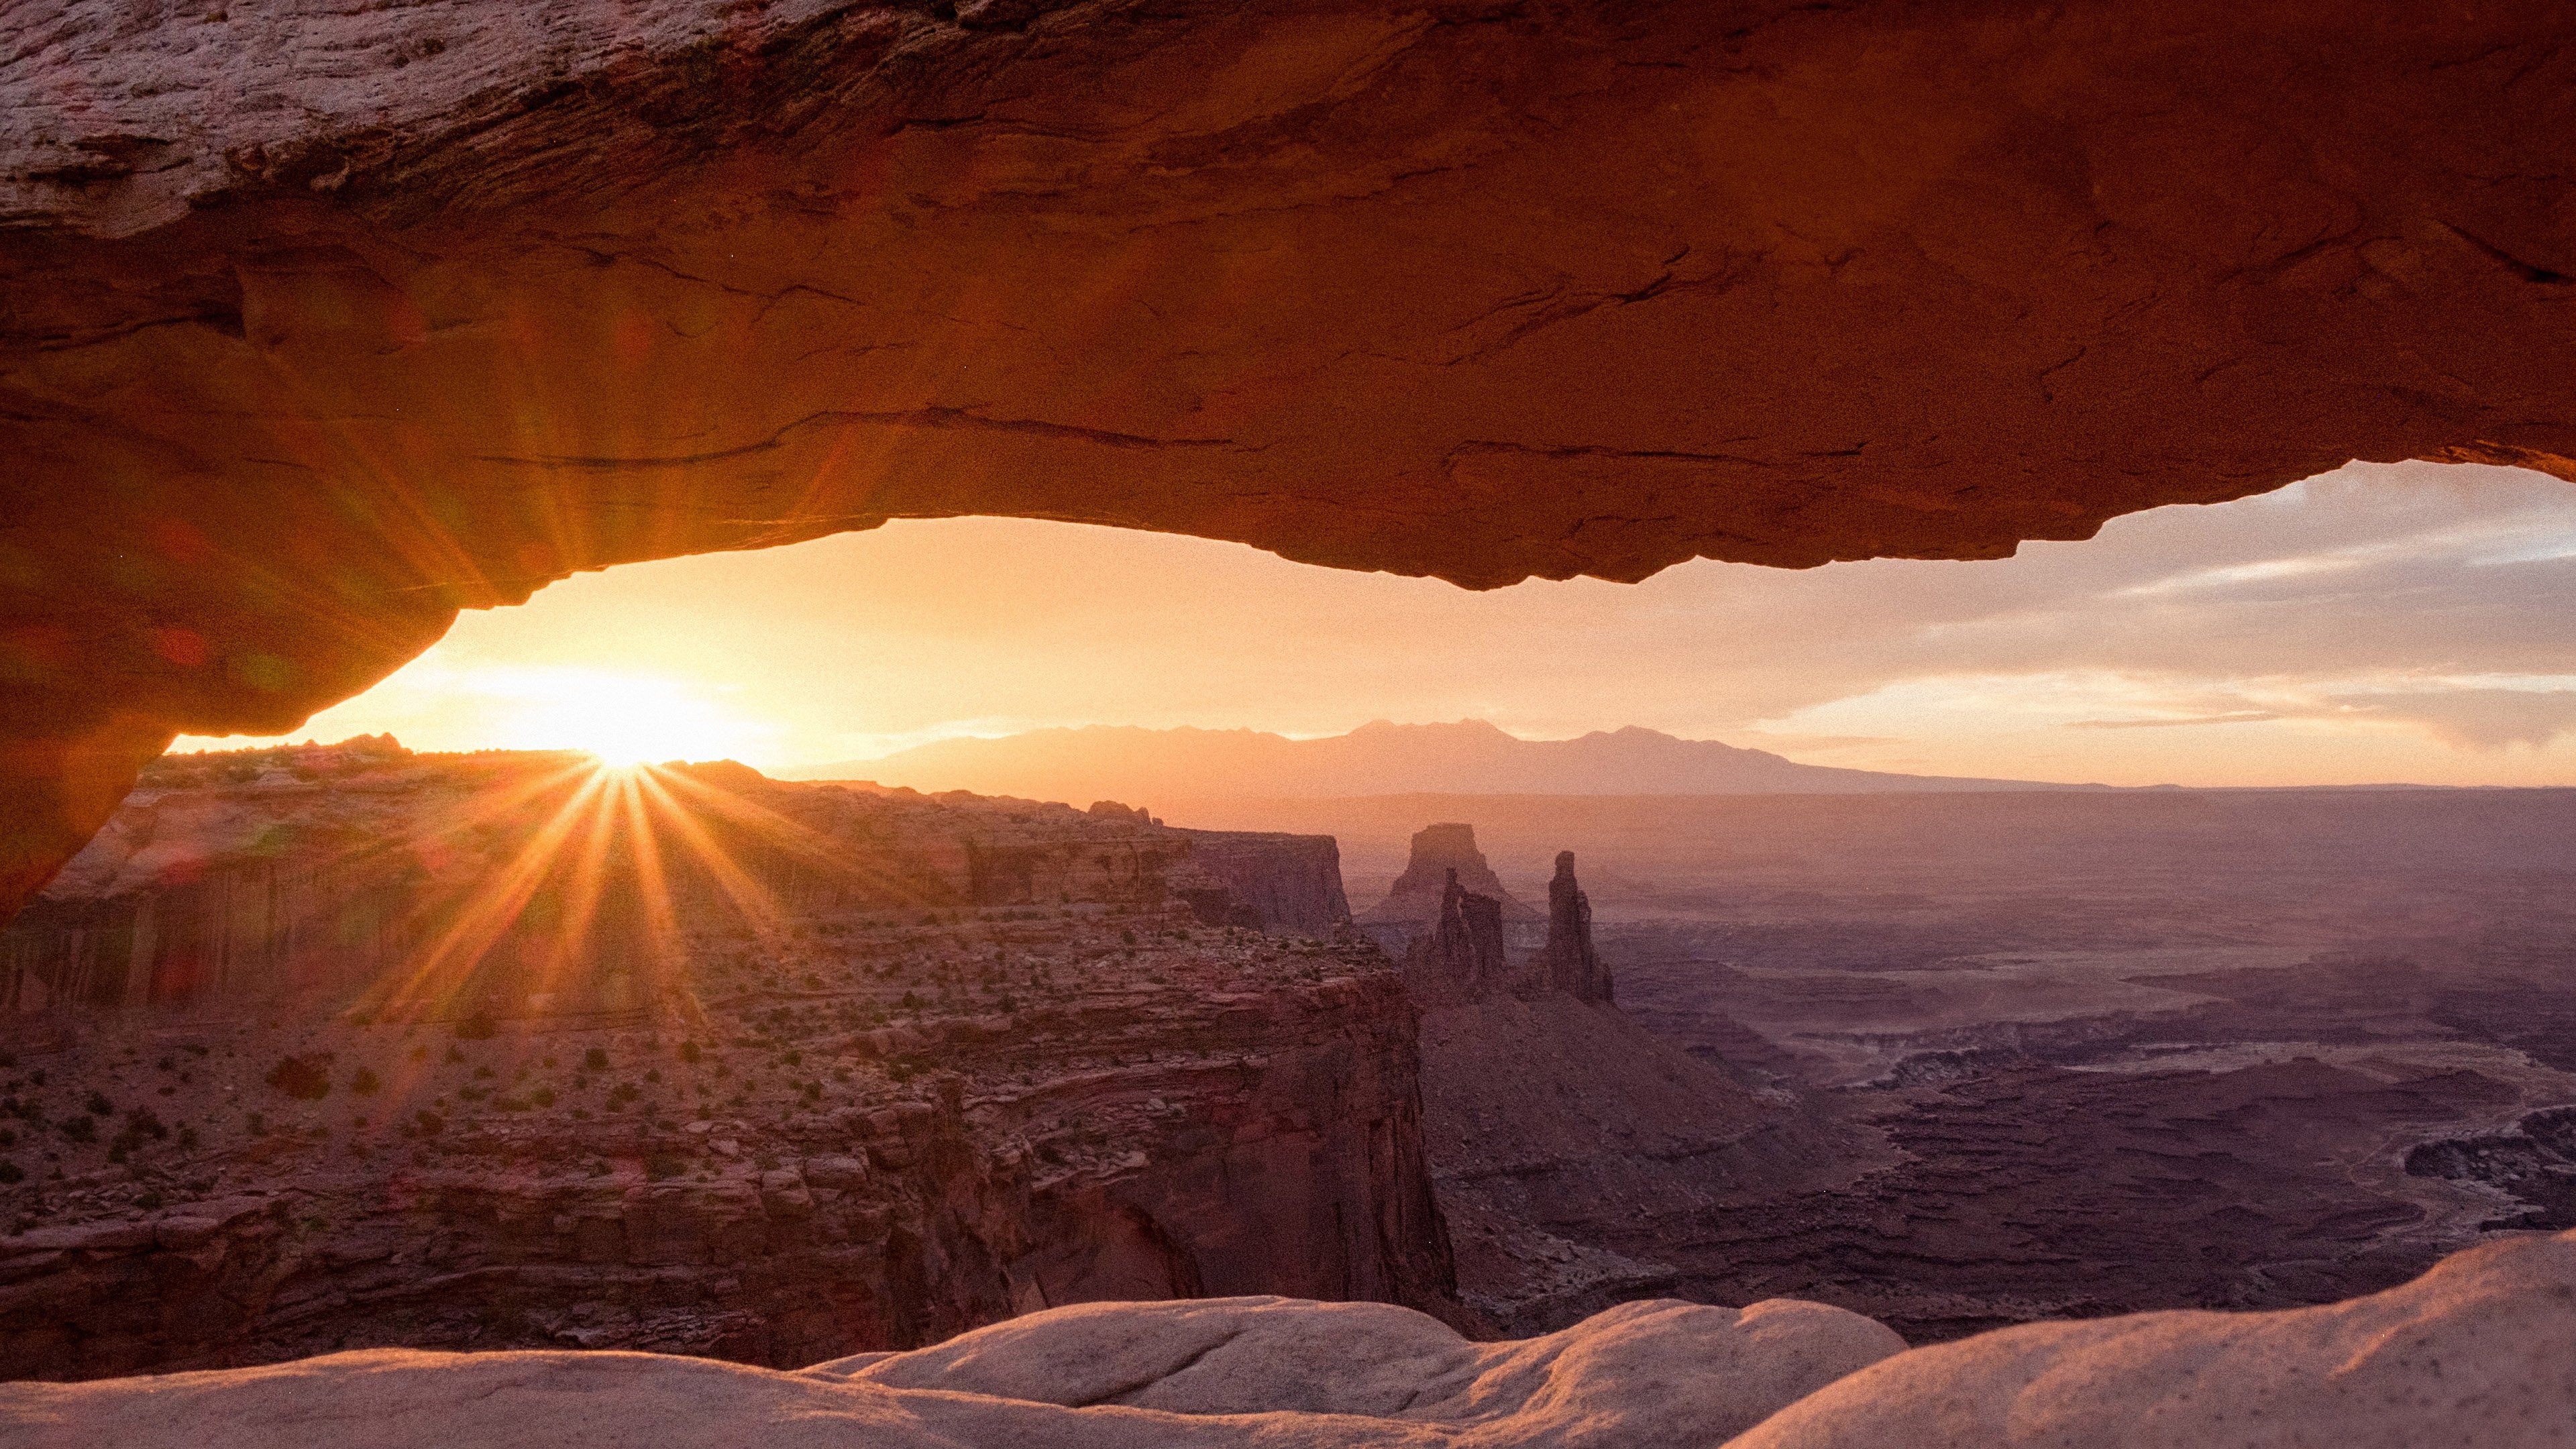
x,y
2382,623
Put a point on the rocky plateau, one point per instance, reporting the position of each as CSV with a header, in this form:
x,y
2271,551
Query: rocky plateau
x,y
332,1048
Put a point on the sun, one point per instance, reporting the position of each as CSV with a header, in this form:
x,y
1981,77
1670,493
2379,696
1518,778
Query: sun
x,y
626,720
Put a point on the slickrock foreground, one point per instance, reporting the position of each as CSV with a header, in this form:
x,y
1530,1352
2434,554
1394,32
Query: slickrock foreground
x,y
2481,1351
2474,1353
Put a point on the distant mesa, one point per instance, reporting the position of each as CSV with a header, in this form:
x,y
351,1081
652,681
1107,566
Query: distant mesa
x,y
1444,857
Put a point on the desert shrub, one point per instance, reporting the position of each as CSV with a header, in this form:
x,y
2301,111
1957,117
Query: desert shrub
x,y
11,1173
188,1138
689,1051
478,1027
543,1096
80,1129
662,1166
595,1060
300,1078
365,1083
144,1122
98,1106
428,1123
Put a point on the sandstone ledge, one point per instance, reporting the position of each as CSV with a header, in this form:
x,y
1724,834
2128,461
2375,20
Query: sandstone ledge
x,y
2475,1352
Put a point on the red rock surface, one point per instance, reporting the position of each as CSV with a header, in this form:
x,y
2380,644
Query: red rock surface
x,y
317,324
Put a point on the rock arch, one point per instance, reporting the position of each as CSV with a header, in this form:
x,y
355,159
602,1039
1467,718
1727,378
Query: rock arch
x,y
318,325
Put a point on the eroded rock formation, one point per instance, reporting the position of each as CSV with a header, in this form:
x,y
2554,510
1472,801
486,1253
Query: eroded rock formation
x,y
1461,957
346,1047
317,325
1444,860
1572,963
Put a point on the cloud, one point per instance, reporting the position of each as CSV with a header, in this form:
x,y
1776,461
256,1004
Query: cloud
x,y
2242,716
2478,719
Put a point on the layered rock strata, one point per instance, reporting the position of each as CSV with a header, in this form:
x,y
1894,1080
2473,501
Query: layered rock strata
x,y
766,1113
2473,1352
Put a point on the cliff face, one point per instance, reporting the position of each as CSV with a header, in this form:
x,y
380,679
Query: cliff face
x,y
764,1116
1273,882
360,867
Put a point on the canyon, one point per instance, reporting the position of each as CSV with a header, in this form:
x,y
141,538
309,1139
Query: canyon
x,y
343,1060
1965,1062
329,1048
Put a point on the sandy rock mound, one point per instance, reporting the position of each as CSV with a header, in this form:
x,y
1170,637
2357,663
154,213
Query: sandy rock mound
x,y
1640,1373
2477,1352
2480,1351
1220,1373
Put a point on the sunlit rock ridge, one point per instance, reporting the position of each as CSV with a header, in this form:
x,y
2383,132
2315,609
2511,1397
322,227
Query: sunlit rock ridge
x,y
317,324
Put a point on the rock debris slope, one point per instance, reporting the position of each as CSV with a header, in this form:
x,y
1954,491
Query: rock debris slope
x,y
319,322
2475,1352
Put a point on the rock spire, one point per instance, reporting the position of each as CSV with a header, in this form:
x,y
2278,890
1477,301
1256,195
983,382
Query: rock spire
x,y
1572,965
1461,958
